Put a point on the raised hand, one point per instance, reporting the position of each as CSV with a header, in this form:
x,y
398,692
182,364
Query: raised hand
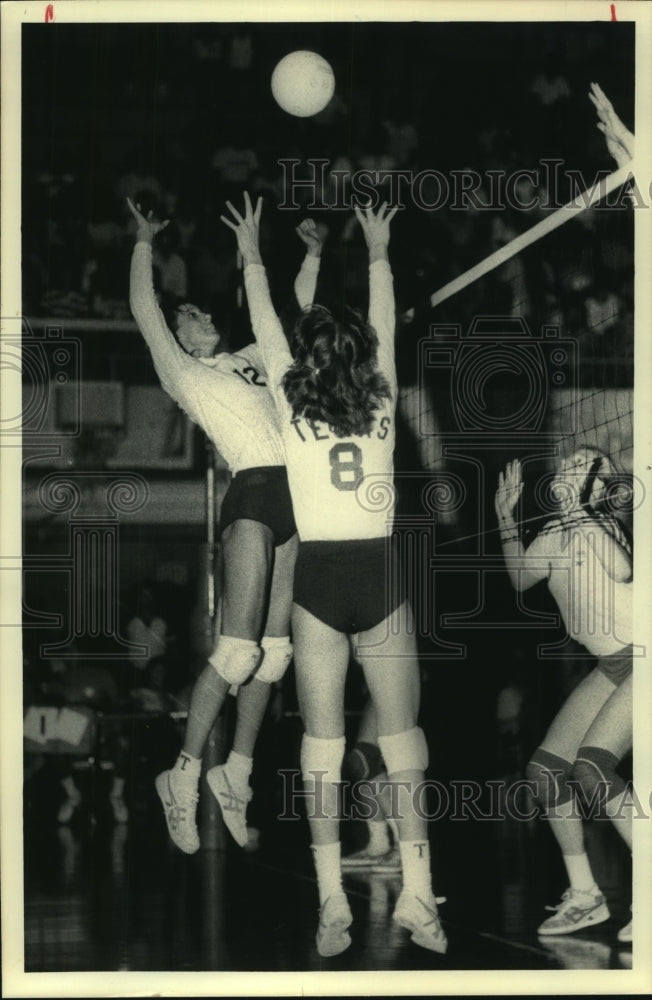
x,y
375,227
620,141
246,229
148,226
510,486
307,231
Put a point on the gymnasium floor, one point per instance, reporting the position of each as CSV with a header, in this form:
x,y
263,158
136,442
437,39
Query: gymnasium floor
x,y
101,896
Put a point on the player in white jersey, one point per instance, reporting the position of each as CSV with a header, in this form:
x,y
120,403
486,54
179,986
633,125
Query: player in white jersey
x,y
228,396
585,557
336,395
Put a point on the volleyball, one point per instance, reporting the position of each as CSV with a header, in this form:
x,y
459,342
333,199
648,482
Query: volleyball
x,y
303,83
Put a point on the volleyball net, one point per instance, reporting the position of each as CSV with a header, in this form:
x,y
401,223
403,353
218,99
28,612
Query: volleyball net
x,y
533,347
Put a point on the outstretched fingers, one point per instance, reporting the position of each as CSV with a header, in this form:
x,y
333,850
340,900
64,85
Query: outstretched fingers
x,y
234,211
251,214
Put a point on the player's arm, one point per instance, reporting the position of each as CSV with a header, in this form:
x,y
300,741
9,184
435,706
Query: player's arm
x,y
306,280
382,308
169,358
264,321
525,568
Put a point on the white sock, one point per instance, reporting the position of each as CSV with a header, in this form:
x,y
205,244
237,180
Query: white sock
x,y
327,867
187,767
415,859
579,872
239,767
378,837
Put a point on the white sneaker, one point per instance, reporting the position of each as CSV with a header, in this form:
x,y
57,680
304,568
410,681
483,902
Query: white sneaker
x,y
179,797
422,918
334,921
232,800
576,911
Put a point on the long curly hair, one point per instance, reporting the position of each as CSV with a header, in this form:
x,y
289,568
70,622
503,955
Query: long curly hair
x,y
333,378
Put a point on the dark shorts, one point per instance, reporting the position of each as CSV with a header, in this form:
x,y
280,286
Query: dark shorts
x,y
261,495
617,666
349,585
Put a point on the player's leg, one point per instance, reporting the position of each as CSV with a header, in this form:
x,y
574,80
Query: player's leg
x,y
364,763
550,770
247,558
321,658
229,782
388,655
605,744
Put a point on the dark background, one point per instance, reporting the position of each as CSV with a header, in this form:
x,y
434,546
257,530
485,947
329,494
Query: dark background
x,y
113,110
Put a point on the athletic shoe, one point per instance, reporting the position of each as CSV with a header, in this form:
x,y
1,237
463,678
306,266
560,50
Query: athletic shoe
x,y
334,921
576,911
119,807
179,797
232,802
67,808
364,861
421,917
625,933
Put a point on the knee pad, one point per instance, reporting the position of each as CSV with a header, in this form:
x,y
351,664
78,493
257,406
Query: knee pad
x,y
277,653
321,755
549,774
363,762
235,659
406,751
595,770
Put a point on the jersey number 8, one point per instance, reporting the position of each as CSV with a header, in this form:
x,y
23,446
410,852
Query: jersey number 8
x,y
346,465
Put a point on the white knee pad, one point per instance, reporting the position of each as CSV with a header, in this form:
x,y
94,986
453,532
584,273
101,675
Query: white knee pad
x,y
322,755
235,659
277,653
406,751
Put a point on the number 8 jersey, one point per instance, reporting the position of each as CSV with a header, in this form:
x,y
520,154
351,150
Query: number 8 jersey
x,y
342,487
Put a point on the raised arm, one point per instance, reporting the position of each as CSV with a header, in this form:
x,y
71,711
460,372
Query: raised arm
x,y
382,308
176,370
264,321
142,300
524,568
306,280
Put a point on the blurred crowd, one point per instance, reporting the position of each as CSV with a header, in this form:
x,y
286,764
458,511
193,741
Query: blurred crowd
x,y
217,132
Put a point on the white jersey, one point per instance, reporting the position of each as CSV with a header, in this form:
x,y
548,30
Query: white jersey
x,y
228,395
596,609
342,488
